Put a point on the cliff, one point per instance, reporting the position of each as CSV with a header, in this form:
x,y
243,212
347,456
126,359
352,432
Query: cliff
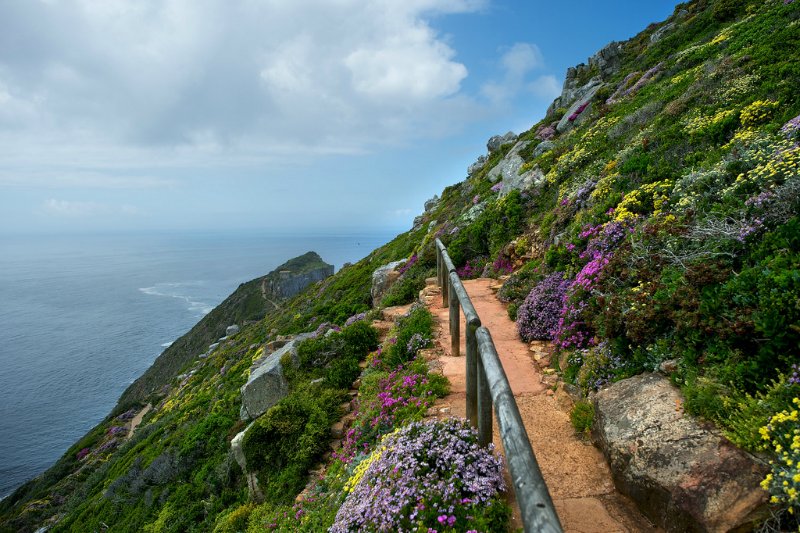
x,y
650,220
249,302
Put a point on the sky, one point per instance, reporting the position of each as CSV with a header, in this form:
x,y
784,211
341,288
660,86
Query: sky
x,y
175,115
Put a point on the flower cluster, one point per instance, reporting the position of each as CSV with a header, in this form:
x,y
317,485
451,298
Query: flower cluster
x,y
426,475
649,196
599,367
323,328
581,108
618,93
497,186
473,268
355,318
545,133
791,128
757,113
398,396
416,343
782,436
537,317
697,124
408,264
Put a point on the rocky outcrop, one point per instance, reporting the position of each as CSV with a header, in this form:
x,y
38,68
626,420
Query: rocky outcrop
x,y
231,330
477,165
494,143
507,172
580,109
382,279
237,450
683,476
267,384
582,79
295,275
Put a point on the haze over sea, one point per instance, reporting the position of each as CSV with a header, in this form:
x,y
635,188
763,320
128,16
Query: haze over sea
x,y
83,316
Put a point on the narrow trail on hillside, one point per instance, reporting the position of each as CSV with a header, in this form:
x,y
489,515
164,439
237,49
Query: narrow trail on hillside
x,y
576,472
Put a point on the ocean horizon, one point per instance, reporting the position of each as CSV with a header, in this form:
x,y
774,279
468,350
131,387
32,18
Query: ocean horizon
x,y
87,314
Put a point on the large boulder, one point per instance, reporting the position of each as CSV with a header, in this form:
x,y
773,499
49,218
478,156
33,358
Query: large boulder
x,y
237,450
382,279
477,165
682,474
267,385
494,143
507,172
580,109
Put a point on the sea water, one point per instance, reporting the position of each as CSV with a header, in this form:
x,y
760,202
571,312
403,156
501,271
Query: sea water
x,y
83,316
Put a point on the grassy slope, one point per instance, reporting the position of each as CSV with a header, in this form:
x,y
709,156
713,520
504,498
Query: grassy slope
x,y
695,277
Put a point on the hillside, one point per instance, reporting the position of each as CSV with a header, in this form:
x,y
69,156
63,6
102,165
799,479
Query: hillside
x,y
648,223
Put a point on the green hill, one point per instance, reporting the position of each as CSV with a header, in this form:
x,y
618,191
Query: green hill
x,y
650,220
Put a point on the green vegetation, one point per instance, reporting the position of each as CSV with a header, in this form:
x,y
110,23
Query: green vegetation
x,y
671,212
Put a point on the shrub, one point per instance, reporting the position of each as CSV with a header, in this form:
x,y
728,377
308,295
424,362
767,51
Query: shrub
x,y
782,437
418,322
582,416
538,315
426,475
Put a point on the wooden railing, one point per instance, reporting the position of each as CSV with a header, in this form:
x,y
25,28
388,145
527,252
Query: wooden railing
x,y
487,386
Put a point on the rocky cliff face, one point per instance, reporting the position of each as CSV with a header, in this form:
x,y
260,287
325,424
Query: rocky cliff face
x,y
293,276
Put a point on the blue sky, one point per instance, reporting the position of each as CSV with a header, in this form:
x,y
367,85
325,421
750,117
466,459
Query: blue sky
x,y
178,114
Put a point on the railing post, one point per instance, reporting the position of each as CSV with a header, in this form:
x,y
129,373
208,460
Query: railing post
x,y
484,407
455,317
472,371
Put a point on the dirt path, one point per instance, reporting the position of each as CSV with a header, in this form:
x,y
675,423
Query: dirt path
x,y
576,472
136,420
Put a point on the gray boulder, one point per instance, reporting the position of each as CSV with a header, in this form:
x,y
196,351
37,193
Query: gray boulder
x,y
433,202
231,330
542,147
683,475
477,165
382,279
507,172
581,108
660,32
267,384
509,165
238,455
607,59
494,143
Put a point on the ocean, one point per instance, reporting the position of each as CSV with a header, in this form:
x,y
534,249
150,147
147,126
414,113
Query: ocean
x,y
84,316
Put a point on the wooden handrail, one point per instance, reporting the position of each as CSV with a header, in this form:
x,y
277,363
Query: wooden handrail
x,y
487,386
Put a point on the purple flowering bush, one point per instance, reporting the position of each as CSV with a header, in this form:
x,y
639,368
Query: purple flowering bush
x,y
537,317
473,268
426,477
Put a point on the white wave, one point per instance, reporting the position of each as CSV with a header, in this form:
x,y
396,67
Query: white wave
x,y
178,291
167,344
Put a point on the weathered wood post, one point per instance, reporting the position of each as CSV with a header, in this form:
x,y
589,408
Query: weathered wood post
x,y
484,407
455,316
473,359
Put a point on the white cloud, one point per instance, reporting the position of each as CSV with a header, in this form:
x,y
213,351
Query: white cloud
x,y
545,87
316,74
516,63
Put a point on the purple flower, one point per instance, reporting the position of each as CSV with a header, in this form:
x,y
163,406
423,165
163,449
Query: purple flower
x,y
496,187
408,264
476,199
791,128
539,313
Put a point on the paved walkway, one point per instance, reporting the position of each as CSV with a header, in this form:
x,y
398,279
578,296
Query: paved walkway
x,y
576,472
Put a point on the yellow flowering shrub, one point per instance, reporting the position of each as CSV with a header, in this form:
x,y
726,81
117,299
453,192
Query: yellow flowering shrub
x,y
782,436
651,195
757,113
698,124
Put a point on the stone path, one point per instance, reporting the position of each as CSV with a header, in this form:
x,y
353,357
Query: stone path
x,y
136,420
576,472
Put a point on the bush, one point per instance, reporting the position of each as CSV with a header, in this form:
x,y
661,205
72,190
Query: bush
x,y
426,475
538,315
418,322
582,416
335,357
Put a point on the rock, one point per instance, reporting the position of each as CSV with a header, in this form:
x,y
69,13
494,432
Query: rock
x,y
682,475
231,330
542,147
473,213
581,108
432,203
477,165
669,367
293,276
507,170
267,385
494,143
659,33
607,59
509,165
337,430
238,455
382,279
